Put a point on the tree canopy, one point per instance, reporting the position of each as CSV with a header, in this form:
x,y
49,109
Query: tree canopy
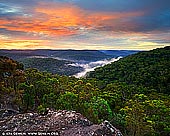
x,y
132,93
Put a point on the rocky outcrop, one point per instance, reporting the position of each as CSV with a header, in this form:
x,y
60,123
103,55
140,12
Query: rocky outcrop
x,y
62,123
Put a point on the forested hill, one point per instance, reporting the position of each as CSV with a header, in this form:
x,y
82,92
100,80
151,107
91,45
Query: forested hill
x,y
76,55
148,68
134,107
86,55
51,65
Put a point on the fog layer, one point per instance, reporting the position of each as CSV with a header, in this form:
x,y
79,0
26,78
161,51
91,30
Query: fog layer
x,y
92,65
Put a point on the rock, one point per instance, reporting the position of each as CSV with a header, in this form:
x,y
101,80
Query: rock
x,y
62,122
7,112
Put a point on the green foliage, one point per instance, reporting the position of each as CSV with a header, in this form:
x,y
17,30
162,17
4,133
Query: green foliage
x,y
28,96
136,116
11,73
51,65
133,93
149,69
158,114
99,109
119,120
67,101
41,109
146,117
49,100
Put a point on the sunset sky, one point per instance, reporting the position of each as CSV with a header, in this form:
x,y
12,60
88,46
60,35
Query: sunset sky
x,y
84,24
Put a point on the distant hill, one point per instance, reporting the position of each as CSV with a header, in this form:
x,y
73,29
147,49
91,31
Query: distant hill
x,y
117,53
51,65
56,61
78,55
74,55
148,68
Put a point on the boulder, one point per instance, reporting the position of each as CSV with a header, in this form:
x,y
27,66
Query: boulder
x,y
62,123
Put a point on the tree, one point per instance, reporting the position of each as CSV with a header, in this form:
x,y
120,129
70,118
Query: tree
x,y
147,116
49,100
136,116
67,101
98,110
11,73
28,96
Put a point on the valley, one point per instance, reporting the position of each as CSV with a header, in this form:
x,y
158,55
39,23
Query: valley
x,y
125,91
65,62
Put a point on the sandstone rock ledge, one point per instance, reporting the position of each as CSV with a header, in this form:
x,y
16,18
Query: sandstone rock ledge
x,y
66,123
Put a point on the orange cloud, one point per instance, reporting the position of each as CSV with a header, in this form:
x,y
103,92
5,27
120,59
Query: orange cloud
x,y
64,19
47,21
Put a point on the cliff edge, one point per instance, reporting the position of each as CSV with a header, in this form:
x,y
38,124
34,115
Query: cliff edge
x,y
62,123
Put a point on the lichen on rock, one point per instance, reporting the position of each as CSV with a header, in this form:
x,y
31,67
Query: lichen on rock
x,y
66,123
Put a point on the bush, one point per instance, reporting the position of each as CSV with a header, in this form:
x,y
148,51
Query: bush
x,y
67,101
99,110
41,109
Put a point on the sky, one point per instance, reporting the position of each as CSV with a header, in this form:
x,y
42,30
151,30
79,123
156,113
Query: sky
x,y
84,24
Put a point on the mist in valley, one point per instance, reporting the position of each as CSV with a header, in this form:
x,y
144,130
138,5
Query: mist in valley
x,y
92,65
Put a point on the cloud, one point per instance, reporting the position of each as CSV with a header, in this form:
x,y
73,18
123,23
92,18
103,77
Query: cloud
x,y
85,24
92,65
65,19
22,44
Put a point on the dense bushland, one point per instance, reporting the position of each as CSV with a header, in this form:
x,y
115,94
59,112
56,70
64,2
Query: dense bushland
x,y
133,93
